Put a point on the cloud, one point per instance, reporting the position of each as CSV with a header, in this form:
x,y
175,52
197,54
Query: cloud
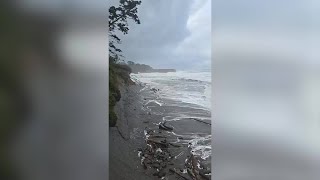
x,y
198,44
171,34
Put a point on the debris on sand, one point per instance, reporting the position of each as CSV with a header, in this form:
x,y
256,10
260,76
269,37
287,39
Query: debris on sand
x,y
197,171
179,174
154,90
158,159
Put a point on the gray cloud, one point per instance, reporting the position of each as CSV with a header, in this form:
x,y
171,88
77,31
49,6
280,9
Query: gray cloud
x,y
171,34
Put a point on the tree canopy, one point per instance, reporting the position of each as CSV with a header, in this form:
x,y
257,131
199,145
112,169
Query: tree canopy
x,y
118,21
130,63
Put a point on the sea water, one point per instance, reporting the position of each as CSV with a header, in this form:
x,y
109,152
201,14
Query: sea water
x,y
189,93
192,87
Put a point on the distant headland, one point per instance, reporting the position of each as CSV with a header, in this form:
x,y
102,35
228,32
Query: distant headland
x,y
143,68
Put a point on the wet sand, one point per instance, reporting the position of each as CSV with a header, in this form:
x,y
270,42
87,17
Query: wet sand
x,y
153,140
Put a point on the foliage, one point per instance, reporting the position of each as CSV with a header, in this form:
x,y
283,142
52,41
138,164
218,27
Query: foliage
x,y
135,68
130,63
118,17
118,73
123,67
112,118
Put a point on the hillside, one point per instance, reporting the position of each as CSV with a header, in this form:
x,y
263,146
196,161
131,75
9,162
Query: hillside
x,y
143,68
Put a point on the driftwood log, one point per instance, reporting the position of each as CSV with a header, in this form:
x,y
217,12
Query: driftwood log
x,y
179,173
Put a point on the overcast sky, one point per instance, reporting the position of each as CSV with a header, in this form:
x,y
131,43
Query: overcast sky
x,y
177,33
172,34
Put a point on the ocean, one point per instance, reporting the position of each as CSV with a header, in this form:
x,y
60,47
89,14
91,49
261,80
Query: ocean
x,y
190,88
183,99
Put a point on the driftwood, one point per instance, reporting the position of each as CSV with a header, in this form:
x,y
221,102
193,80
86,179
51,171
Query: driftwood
x,y
195,168
178,173
157,136
204,176
157,142
175,145
192,168
190,172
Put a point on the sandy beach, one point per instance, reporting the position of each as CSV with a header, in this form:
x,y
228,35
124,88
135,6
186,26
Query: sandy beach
x,y
149,142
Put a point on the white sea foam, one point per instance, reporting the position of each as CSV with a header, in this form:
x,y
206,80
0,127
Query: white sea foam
x,y
155,101
182,89
139,153
188,87
159,150
201,146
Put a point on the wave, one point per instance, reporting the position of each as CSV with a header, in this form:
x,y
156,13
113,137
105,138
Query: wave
x,y
192,80
191,88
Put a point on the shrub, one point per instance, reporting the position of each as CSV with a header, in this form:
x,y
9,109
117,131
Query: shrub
x,y
112,101
123,67
112,118
117,73
117,95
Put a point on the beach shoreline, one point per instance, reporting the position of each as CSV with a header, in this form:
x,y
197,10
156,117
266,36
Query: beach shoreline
x,y
144,145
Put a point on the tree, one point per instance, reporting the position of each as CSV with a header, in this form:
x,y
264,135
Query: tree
x,y
118,17
130,63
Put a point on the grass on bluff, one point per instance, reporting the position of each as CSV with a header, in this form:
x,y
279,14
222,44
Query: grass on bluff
x,y
118,74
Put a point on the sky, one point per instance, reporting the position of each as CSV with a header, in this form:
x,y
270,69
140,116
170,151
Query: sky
x,y
172,34
177,33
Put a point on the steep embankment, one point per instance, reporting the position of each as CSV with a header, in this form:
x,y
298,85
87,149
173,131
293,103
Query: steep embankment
x,y
118,75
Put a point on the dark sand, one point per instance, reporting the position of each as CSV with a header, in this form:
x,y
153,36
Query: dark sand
x,y
138,115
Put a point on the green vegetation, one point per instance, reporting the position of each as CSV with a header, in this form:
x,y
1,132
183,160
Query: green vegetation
x,y
119,73
118,16
139,67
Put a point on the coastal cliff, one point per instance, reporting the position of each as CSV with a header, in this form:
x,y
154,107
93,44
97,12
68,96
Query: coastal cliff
x,y
119,76
143,68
